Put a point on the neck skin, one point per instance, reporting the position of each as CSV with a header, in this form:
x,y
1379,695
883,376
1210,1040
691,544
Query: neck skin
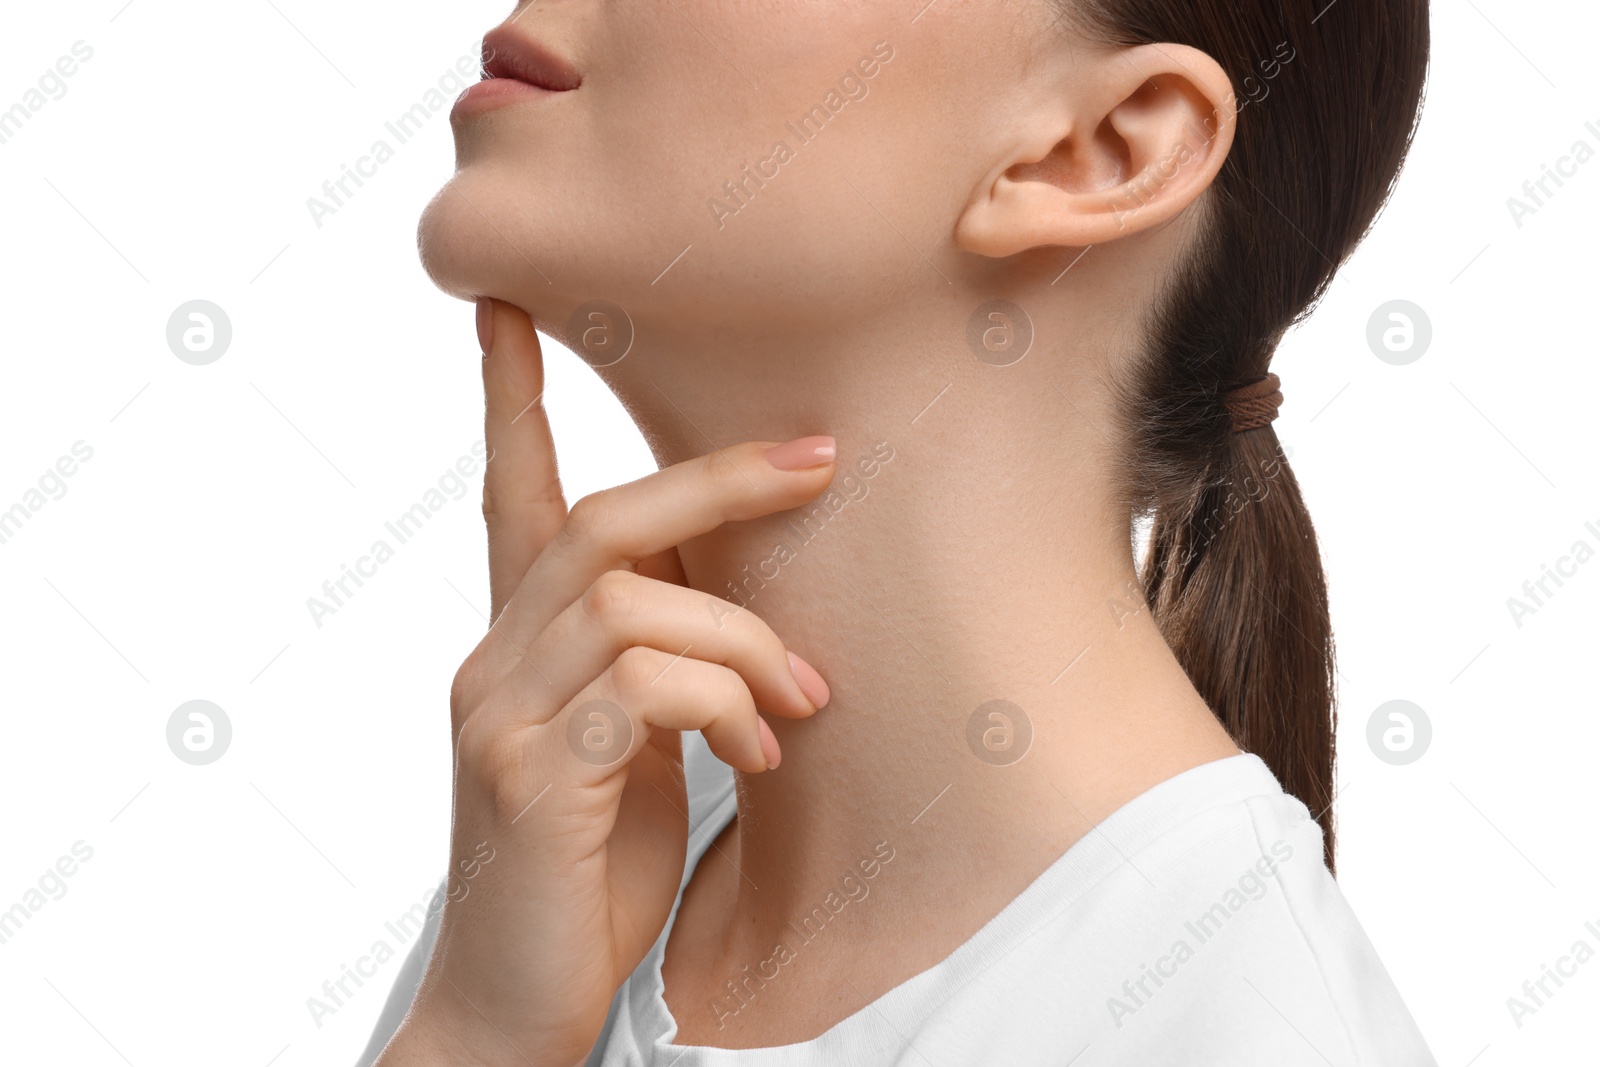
x,y
985,560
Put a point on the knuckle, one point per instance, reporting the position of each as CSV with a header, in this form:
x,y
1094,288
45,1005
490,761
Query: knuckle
x,y
724,695
610,596
721,472
471,742
635,669
497,763
719,689
467,685
490,516
508,783
477,750
509,790
547,496
585,519
733,695
749,631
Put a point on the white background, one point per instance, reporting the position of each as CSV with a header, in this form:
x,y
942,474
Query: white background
x,y
178,562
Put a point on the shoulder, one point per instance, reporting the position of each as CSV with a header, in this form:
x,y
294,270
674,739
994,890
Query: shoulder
x,y
1197,925
1255,947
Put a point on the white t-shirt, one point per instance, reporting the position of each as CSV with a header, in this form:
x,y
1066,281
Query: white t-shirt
x,y
1197,925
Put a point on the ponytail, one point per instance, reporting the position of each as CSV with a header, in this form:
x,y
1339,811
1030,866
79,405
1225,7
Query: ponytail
x,y
1235,583
1327,98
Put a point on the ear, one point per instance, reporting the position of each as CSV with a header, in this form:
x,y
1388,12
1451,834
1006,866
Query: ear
x,y
1131,142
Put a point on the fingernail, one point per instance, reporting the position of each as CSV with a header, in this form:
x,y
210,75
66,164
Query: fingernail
x,y
801,453
485,324
810,682
769,744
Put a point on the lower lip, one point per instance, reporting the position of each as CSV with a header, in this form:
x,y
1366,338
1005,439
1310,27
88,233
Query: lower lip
x,y
492,93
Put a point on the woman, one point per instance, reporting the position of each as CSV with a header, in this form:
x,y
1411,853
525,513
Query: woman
x,y
920,306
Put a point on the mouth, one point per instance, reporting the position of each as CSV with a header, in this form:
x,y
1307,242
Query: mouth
x,y
515,69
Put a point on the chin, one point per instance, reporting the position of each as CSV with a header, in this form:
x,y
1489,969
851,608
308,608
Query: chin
x,y
475,242
450,242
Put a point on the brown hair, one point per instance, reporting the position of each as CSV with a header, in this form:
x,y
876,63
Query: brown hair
x,y
1328,94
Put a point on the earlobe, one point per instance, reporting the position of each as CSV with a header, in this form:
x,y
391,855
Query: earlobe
x,y
1148,136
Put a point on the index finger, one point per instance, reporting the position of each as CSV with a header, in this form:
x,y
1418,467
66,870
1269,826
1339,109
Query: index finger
x,y
523,506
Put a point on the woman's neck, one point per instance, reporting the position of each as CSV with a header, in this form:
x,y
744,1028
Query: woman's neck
x,y
969,552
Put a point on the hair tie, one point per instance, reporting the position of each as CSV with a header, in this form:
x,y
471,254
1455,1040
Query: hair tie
x,y
1255,405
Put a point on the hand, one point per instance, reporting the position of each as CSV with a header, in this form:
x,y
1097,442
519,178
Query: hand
x,y
566,720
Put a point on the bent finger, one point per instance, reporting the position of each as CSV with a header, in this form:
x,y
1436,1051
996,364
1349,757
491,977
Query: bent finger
x,y
617,528
622,609
607,723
